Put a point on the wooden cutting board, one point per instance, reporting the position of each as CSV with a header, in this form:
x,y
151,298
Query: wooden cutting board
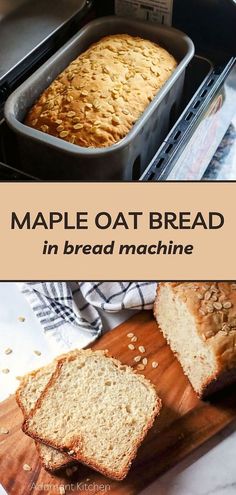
x,y
184,424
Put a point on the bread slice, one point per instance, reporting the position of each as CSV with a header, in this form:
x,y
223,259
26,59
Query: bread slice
x,y
97,410
198,319
29,391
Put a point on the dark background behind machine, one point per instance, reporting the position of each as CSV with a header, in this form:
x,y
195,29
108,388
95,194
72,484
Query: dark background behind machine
x,y
209,97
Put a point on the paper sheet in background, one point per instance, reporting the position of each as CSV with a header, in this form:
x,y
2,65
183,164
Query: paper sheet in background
x,y
150,10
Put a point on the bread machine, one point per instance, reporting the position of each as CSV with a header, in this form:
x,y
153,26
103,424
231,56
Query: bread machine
x,y
209,95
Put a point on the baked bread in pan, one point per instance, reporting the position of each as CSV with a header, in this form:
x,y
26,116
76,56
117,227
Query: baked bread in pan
x,y
102,93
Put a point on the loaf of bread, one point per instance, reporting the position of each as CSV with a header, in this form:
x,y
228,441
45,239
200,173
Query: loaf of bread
x,y
98,98
30,389
95,409
199,322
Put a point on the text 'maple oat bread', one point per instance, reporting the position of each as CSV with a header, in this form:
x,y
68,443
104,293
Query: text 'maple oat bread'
x,y
97,410
199,322
29,390
98,98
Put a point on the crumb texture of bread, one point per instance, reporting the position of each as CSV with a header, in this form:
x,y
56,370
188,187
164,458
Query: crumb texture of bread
x,y
29,391
98,410
32,385
198,319
102,93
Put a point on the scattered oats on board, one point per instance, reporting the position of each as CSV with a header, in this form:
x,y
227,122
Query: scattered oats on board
x,y
140,367
26,467
134,339
38,353
154,364
8,351
137,359
130,335
3,430
21,319
145,361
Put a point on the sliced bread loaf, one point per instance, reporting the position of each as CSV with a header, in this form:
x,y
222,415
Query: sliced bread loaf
x,y
29,391
198,319
95,409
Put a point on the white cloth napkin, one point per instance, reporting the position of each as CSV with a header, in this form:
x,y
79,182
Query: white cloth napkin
x,y
69,311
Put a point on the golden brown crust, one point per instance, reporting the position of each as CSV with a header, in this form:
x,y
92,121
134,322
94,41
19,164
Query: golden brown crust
x,y
72,448
213,306
98,98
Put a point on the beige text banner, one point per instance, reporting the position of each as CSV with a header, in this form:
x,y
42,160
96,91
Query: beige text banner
x,y
118,231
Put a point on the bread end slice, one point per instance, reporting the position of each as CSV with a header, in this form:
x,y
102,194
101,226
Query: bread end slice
x,y
30,388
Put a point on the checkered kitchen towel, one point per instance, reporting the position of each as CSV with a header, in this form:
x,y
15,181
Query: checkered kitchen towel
x,y
69,311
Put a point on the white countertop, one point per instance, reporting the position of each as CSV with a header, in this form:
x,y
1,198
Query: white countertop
x,y
210,470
